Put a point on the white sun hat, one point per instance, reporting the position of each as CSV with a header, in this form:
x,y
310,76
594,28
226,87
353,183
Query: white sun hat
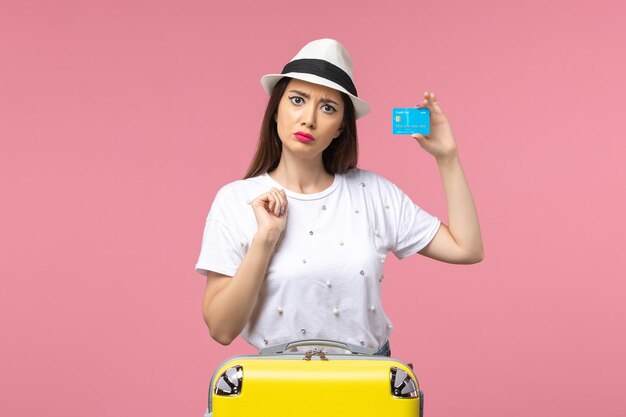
x,y
325,62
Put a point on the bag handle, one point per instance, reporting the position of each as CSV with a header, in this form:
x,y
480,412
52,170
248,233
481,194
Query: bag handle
x,y
318,342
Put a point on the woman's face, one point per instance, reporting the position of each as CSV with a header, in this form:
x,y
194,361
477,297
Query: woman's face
x,y
307,109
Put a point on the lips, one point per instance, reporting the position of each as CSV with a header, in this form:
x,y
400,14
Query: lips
x,y
304,137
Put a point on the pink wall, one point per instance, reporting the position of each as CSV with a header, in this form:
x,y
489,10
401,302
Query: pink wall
x,y
119,122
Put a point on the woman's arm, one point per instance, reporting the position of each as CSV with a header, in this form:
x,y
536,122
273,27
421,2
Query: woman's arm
x,y
460,241
229,302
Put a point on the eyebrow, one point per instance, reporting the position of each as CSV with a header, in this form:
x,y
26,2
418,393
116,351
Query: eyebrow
x,y
323,100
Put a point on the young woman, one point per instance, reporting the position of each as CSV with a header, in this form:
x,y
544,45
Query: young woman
x,y
295,250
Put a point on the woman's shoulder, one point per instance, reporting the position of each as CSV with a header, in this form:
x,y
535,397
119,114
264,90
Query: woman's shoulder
x,y
242,189
363,177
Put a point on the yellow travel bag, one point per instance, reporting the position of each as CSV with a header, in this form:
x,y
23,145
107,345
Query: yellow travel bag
x,y
315,383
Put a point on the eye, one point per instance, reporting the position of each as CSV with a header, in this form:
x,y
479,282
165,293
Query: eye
x,y
328,108
296,100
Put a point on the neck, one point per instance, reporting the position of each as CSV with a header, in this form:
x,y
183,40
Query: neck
x,y
304,177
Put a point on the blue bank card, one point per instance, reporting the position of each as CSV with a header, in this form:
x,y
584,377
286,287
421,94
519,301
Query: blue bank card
x,y
408,120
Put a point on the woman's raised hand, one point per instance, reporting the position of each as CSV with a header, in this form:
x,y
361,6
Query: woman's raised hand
x,y
270,210
440,142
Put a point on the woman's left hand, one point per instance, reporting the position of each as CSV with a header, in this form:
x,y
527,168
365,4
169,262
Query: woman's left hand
x,y
440,142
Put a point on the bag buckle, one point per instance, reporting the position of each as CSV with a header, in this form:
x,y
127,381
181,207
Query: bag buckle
x,y
310,353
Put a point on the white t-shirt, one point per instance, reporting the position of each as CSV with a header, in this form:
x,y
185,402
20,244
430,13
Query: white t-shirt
x,y
324,279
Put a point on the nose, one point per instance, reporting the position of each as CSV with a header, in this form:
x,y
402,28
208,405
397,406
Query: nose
x,y
308,117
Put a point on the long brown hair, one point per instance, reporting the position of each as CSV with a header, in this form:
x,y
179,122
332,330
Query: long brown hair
x,y
340,156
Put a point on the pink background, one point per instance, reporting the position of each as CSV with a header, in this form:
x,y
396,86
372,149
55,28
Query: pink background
x,y
120,120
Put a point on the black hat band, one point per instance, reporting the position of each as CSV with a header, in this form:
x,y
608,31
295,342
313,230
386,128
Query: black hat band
x,y
322,69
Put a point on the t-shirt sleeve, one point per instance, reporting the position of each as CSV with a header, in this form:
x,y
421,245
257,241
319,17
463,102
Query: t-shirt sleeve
x,y
415,227
221,249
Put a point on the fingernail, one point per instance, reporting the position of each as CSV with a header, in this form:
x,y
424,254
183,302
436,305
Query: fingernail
x,y
282,210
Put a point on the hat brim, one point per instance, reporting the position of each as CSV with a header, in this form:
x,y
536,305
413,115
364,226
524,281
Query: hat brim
x,y
269,81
